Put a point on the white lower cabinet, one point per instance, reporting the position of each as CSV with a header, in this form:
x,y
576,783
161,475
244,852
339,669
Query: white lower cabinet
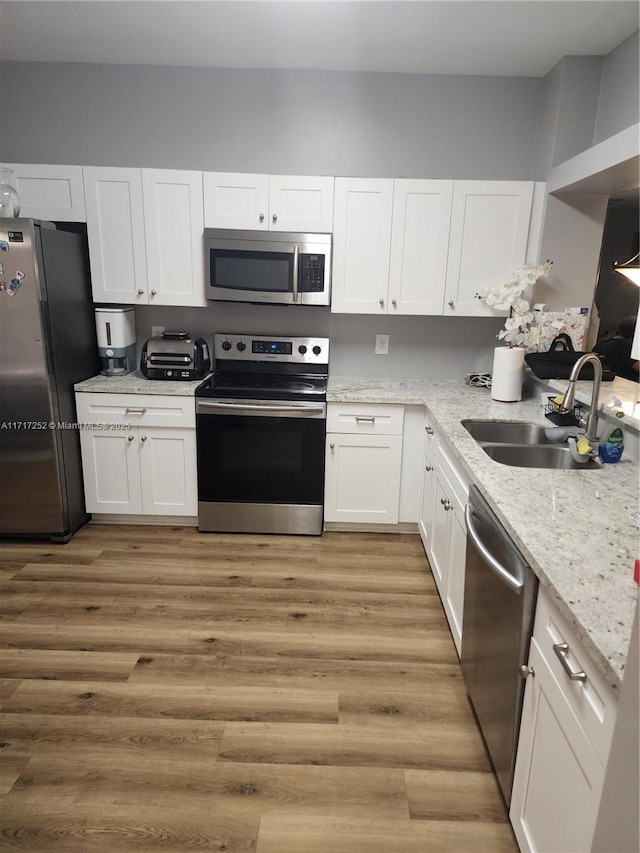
x,y
442,528
363,463
147,468
565,736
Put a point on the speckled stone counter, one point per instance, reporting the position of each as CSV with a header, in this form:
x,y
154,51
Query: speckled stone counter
x,y
579,530
135,383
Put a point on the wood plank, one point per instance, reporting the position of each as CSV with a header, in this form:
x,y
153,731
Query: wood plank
x,y
7,687
12,763
434,746
416,705
164,568
290,833
55,664
286,671
431,793
42,733
195,703
84,771
154,635
61,824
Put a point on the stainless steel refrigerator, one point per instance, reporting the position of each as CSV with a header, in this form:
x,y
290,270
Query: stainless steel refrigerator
x,y
47,343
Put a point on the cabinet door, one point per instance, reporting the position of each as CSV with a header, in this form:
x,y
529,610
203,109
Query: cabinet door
x,y
362,478
419,246
488,240
115,230
427,505
454,597
111,471
441,535
168,471
173,219
361,245
50,192
233,200
558,777
300,203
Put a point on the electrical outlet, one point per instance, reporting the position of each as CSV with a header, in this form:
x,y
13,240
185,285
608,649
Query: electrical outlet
x,y
156,331
382,345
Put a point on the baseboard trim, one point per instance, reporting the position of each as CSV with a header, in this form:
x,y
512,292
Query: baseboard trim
x,y
163,520
349,527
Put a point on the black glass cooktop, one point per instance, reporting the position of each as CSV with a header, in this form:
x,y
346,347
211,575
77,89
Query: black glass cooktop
x,y
264,386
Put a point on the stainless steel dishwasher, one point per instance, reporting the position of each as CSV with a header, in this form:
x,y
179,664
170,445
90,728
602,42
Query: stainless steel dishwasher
x,y
499,602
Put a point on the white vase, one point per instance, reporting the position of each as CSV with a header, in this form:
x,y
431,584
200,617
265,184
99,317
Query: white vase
x,y
9,198
506,376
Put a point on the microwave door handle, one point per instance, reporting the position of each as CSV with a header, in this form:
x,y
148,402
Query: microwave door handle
x,y
295,273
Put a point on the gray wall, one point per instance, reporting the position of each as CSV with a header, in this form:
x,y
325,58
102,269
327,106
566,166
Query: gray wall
x,y
619,101
302,122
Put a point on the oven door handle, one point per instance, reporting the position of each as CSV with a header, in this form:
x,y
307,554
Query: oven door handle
x,y
210,408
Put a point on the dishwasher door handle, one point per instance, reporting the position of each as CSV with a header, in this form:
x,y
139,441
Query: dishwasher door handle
x,y
512,582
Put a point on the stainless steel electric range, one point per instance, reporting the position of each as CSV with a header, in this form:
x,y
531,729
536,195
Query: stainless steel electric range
x,y
260,429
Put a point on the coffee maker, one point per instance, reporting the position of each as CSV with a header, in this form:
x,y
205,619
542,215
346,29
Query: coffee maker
x,y
116,331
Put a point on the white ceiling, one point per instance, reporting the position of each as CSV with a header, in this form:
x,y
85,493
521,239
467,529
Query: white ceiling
x,y
503,37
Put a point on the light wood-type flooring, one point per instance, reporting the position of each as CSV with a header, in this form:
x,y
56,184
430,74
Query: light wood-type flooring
x,y
166,690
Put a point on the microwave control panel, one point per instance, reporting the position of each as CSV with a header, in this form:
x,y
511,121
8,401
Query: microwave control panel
x,y
312,274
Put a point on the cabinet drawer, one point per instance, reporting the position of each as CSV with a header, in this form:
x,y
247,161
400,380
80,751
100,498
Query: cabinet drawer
x,y
136,409
365,419
431,440
591,699
458,484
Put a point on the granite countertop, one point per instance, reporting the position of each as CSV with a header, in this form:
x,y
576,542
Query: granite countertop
x,y
136,383
579,530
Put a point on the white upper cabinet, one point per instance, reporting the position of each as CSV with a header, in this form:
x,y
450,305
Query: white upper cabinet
x,y
488,240
363,212
115,230
50,192
144,228
268,202
419,246
173,221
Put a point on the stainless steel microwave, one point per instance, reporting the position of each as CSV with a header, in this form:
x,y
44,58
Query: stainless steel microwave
x,y
281,268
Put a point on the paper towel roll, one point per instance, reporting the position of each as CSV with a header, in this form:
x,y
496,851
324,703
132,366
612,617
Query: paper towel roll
x,y
506,377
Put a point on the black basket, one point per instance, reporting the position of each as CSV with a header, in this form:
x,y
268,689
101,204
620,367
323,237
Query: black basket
x,y
561,416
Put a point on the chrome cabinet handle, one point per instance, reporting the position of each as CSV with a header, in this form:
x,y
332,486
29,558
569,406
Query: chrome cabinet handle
x,y
332,446
154,292
428,430
446,503
381,301
394,302
526,671
429,468
129,438
275,217
143,438
140,292
562,650
261,217
451,303
135,410
367,419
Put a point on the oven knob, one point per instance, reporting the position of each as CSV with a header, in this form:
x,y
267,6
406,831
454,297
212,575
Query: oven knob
x,y
302,349
317,350
240,346
226,345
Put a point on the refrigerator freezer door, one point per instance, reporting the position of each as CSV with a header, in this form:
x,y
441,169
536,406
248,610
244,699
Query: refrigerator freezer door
x,y
33,497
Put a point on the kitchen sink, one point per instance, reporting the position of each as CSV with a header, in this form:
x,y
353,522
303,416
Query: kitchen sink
x,y
524,445
506,432
537,456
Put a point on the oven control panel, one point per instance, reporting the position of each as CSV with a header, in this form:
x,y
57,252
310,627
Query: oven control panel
x,y
270,348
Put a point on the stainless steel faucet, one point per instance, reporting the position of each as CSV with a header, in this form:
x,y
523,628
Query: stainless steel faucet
x,y
570,394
